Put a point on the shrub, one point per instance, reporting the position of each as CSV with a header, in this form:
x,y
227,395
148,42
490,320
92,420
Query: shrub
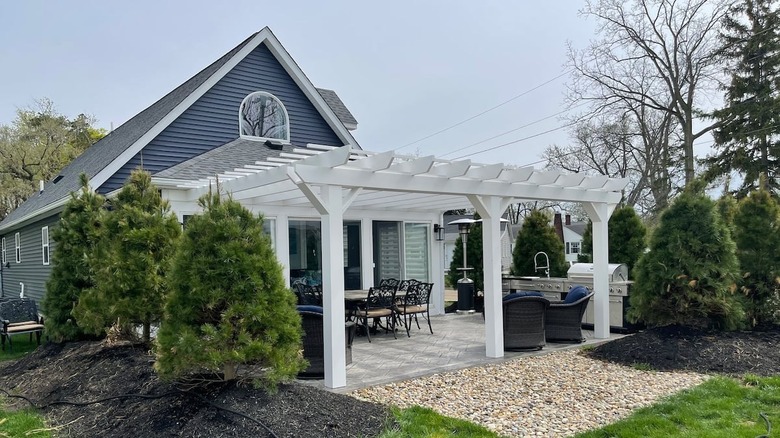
x,y
537,235
757,235
228,303
131,260
626,238
75,235
688,276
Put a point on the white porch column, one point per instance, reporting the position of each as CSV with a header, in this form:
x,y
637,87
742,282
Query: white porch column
x,y
491,208
333,287
366,253
599,213
283,245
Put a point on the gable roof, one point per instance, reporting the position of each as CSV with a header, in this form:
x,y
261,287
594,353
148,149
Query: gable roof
x,y
225,158
339,108
108,155
577,227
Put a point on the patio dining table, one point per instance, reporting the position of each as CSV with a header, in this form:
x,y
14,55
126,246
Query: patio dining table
x,y
358,295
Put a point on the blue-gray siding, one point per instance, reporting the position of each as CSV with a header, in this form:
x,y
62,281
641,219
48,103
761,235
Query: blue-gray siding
x,y
31,271
213,120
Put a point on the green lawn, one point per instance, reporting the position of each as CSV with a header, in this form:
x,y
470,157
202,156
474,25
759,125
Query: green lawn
x,y
423,422
26,423
22,346
721,407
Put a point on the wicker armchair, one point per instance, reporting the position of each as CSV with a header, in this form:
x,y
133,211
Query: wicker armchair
x,y
564,320
524,322
314,342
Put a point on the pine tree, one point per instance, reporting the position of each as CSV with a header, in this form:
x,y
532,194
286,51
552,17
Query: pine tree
x,y
75,238
747,139
228,303
473,258
626,237
131,262
757,235
538,235
689,275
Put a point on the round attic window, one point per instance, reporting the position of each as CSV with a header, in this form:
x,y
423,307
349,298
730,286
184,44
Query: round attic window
x,y
263,117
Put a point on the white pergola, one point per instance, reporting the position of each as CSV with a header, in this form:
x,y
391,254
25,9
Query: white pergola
x,y
334,179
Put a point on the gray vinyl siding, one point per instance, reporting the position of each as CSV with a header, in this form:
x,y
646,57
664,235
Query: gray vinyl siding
x,y
213,120
31,271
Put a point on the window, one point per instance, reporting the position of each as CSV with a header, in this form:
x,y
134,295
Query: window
x,y
572,247
18,248
3,249
263,117
45,245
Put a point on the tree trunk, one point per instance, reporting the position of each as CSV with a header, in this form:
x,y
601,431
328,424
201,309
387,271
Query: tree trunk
x,y
229,371
147,336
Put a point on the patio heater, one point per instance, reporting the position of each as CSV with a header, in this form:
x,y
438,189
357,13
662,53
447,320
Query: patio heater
x,y
465,284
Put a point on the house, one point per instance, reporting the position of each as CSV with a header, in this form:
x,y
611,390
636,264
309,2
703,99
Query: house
x,y
337,214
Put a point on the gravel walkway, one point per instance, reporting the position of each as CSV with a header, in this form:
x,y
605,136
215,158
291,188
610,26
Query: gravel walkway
x,y
552,395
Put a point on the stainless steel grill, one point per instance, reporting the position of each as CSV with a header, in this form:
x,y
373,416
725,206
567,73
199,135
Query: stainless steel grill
x,y
580,274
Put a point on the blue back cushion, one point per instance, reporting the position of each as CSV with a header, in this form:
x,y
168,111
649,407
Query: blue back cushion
x,y
313,309
522,293
576,294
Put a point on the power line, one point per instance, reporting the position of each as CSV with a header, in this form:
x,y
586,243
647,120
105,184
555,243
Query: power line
x,y
515,129
516,141
486,111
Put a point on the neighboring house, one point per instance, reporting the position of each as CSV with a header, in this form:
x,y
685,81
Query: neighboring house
x,y
572,238
251,105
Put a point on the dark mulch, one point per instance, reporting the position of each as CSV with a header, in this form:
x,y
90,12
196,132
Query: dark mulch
x,y
82,372
675,348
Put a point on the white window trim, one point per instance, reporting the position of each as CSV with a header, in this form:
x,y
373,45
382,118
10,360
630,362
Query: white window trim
x,y
261,139
3,250
45,253
18,250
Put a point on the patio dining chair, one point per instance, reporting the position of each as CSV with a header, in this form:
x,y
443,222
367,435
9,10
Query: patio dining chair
x,y
389,282
415,302
379,304
308,295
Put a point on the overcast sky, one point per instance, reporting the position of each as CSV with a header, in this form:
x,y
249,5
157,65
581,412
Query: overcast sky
x,y
404,69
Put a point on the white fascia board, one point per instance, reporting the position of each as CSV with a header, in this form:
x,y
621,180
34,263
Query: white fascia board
x,y
54,207
168,183
309,89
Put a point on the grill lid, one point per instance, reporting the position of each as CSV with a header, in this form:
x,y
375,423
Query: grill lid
x,y
617,272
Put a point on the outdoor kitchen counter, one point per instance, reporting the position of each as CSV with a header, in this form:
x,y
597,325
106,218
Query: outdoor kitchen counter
x,y
551,395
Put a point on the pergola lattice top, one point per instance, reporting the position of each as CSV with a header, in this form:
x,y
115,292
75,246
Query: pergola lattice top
x,y
418,183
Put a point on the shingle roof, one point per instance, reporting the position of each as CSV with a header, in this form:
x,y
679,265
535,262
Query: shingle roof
x,y
102,153
227,157
338,107
577,227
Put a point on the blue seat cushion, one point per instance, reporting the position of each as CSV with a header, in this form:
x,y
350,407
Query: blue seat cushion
x,y
313,309
575,294
522,293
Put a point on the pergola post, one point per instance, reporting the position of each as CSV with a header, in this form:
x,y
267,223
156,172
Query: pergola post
x,y
599,214
490,208
367,252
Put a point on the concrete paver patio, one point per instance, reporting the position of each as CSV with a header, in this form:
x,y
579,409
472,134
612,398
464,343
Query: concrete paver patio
x,y
458,341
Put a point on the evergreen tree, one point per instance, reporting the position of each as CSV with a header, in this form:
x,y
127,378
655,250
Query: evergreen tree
x,y
757,235
688,276
626,238
747,141
538,235
75,238
131,261
228,303
473,258
727,209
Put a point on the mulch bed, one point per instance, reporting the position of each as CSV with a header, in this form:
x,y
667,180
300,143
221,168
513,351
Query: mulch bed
x,y
677,348
81,372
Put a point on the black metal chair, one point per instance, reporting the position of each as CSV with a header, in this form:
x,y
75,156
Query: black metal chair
x,y
389,282
308,295
524,322
379,303
415,302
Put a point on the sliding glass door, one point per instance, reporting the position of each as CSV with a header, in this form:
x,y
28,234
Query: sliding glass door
x,y
401,250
